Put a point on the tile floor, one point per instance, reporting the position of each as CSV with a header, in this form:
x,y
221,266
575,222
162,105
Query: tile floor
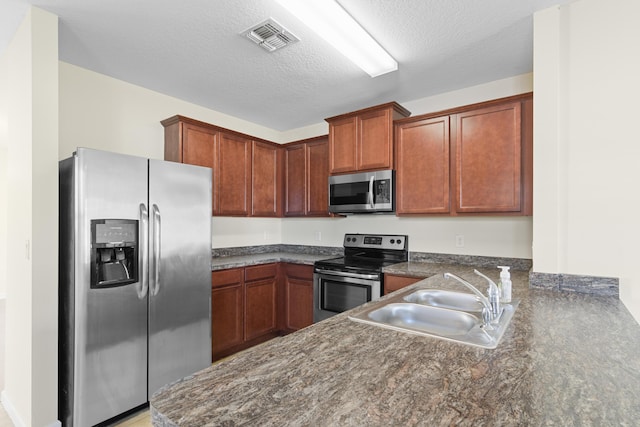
x,y
141,419
5,421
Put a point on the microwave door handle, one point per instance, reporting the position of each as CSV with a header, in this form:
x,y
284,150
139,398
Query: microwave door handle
x,y
371,192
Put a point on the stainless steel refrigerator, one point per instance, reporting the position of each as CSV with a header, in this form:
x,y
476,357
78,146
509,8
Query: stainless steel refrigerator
x,y
134,281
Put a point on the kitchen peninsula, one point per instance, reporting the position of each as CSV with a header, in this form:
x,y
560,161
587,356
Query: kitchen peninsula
x,y
566,359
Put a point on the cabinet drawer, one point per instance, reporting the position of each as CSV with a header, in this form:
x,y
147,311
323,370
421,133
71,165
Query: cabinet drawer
x,y
299,271
258,272
226,277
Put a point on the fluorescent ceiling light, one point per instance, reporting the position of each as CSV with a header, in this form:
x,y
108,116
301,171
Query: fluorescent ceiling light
x,y
331,22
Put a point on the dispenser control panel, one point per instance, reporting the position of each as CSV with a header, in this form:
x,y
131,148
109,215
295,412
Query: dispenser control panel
x,y
114,252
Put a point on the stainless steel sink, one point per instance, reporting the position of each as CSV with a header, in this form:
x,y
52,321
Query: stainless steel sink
x,y
424,318
447,315
446,299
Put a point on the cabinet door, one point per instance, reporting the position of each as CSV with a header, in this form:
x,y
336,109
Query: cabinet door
x,y
265,180
317,178
342,145
298,296
488,159
227,309
375,140
198,146
260,308
422,167
393,283
295,180
233,176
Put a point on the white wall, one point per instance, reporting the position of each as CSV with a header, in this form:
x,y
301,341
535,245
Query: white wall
x,y
4,142
30,394
586,197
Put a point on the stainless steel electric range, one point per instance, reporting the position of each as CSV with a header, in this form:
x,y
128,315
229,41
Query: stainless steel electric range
x,y
340,284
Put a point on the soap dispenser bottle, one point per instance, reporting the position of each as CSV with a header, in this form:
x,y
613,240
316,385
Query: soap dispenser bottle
x,y
505,283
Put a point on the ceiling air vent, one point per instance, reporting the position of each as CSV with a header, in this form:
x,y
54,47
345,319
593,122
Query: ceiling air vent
x,y
270,35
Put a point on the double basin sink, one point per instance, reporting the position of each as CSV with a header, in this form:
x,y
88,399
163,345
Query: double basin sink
x,y
448,315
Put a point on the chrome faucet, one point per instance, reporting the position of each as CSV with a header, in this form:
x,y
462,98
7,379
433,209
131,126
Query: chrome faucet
x,y
491,310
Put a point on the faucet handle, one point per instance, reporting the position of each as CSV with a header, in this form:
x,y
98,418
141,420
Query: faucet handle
x,y
494,296
492,284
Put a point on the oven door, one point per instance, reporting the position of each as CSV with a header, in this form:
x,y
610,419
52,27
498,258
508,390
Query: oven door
x,y
338,291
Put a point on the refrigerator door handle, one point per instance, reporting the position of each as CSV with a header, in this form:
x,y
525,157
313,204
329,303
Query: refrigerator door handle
x,y
143,285
155,256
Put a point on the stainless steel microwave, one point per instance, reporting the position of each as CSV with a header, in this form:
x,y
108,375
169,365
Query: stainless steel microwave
x,y
366,192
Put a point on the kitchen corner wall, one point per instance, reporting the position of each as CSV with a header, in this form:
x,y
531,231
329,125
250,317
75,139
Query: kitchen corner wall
x,y
586,150
29,86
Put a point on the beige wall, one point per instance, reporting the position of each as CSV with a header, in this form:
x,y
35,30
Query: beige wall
x,y
586,199
4,142
101,112
31,61
486,236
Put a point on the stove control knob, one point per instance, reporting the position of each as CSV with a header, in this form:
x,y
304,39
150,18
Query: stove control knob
x,y
399,241
392,241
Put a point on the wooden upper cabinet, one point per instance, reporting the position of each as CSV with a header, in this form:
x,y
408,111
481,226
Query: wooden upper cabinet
x,y
307,178
198,146
343,134
375,150
422,166
363,140
192,144
488,155
318,177
234,158
233,175
266,180
295,180
476,160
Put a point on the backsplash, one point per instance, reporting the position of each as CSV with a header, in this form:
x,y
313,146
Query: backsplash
x,y
264,249
603,286
474,260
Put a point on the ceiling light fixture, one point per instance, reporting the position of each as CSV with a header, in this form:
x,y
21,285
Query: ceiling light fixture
x,y
330,21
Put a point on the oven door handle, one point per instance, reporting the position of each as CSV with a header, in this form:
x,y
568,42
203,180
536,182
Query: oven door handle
x,y
346,274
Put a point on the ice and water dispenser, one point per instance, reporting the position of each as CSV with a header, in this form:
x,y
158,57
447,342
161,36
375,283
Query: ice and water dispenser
x,y
114,252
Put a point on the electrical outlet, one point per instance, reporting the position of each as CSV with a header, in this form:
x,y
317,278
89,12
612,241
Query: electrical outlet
x,y
459,241
318,236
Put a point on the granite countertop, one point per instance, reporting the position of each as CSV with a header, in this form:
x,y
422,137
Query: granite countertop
x,y
566,359
222,263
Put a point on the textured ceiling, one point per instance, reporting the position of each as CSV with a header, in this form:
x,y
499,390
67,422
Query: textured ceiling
x,y
192,50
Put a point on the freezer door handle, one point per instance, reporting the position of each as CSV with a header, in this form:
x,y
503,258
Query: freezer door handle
x,y
155,256
143,284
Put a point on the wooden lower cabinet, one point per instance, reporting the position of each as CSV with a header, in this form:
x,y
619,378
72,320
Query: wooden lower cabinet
x,y
253,304
227,310
260,300
298,292
243,308
393,283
